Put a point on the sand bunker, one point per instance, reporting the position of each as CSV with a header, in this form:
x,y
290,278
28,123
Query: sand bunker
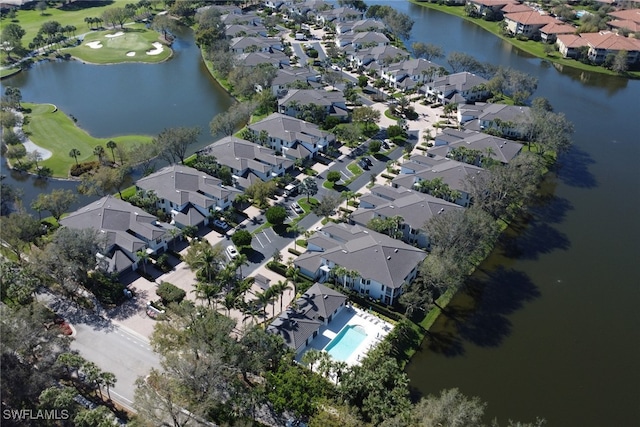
x,y
131,54
118,34
94,45
157,50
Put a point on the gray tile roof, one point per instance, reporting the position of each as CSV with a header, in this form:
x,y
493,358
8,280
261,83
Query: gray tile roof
x,y
414,207
373,255
313,96
126,228
243,156
381,54
499,149
313,309
451,172
252,59
290,129
489,112
289,74
360,25
459,82
181,184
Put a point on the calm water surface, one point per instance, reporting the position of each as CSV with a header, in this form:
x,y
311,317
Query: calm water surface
x,y
553,328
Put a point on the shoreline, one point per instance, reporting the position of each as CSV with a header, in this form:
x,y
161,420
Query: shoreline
x,y
563,62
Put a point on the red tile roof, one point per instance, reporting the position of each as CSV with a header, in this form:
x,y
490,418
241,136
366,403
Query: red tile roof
x,y
627,15
558,28
530,18
611,41
621,23
515,7
572,40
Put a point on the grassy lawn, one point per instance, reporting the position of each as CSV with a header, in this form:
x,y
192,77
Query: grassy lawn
x,y
306,206
9,72
57,133
529,46
355,169
136,39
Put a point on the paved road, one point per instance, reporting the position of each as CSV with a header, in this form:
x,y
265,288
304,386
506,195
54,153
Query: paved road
x,y
113,348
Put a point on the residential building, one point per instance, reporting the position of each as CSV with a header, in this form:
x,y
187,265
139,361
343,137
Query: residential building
x,y
373,264
248,161
499,149
126,229
287,75
301,323
240,30
249,18
504,118
414,208
606,43
528,24
377,57
570,45
246,44
294,138
550,32
452,173
276,59
459,88
187,194
360,25
409,73
361,40
338,14
333,102
489,7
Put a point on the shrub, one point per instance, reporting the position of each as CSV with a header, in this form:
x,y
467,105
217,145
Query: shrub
x,y
276,215
294,252
163,263
334,176
81,168
169,293
241,238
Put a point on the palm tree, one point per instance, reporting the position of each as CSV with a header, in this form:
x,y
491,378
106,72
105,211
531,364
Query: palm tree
x,y
108,380
264,298
279,288
111,145
241,260
98,151
296,230
174,233
348,194
143,256
208,291
74,153
230,301
310,357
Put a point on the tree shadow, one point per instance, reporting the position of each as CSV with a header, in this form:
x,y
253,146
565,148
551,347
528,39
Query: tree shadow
x,y
535,239
551,209
501,293
573,168
130,307
254,256
75,314
80,5
446,343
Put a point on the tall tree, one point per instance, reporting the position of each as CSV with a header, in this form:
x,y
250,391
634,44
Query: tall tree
x,y
427,51
18,231
75,153
111,145
173,143
227,122
57,202
11,37
309,187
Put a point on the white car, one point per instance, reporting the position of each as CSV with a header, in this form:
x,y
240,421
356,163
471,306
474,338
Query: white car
x,y
220,224
232,252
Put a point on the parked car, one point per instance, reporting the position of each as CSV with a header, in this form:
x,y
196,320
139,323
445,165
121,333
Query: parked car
x,y
232,252
364,165
220,224
296,208
368,161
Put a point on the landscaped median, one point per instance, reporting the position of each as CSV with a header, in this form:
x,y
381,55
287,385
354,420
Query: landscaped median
x,y
53,130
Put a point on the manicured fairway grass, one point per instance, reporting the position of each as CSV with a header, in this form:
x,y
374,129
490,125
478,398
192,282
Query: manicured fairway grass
x,y
136,39
9,72
56,132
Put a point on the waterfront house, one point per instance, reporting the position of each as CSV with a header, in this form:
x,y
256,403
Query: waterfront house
x,y
248,161
126,229
503,118
550,32
251,59
246,44
496,148
362,40
239,30
338,14
187,194
452,173
570,45
332,102
294,138
376,265
605,43
414,208
528,24
301,322
360,25
490,8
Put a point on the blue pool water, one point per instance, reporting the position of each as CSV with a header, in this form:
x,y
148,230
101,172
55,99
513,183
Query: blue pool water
x,y
344,344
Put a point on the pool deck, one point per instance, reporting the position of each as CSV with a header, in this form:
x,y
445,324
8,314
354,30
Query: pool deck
x,y
376,329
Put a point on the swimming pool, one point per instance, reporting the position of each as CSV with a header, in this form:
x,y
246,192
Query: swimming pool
x,y
345,343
